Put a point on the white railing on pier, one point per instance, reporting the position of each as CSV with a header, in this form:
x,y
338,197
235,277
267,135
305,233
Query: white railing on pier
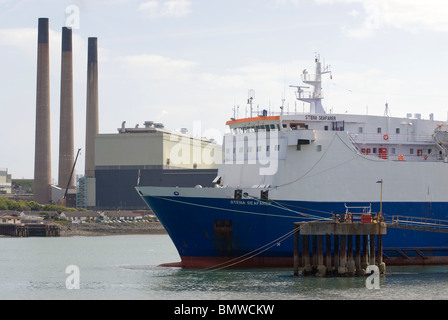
x,y
419,223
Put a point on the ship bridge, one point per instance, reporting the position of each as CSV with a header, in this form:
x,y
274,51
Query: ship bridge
x,y
256,124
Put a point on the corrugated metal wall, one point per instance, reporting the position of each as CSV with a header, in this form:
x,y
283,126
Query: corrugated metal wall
x,y
115,188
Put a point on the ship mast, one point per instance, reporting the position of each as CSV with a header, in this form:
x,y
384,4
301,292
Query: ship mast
x,y
315,97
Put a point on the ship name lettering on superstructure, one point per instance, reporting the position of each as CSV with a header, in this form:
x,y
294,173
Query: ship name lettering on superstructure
x,y
321,118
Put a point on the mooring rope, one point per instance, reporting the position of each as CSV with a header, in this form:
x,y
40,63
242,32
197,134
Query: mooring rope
x,y
254,253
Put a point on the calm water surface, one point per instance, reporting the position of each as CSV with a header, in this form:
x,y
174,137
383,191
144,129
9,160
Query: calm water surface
x,y
126,267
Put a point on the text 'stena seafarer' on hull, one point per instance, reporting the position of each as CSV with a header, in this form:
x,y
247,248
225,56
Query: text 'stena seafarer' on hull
x,y
286,168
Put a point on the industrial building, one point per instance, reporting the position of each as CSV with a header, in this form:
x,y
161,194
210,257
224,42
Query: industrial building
x,y
5,181
150,155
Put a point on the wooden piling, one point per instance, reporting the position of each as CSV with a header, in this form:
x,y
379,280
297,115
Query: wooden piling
x,y
328,258
296,256
336,252
358,254
372,249
365,250
380,263
351,268
321,268
342,270
306,259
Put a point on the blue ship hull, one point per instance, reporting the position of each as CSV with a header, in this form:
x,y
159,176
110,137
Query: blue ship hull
x,y
208,232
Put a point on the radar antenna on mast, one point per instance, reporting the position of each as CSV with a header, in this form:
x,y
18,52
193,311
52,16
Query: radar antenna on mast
x,y
299,91
314,97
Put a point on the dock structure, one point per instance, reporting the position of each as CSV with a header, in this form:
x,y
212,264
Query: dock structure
x,y
43,230
13,230
328,249
30,230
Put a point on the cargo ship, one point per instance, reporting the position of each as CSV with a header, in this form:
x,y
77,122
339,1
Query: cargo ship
x,y
282,168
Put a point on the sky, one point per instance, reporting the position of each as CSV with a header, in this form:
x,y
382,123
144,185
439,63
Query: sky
x,y
192,63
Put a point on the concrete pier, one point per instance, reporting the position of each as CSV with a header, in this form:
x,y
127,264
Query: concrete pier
x,y
349,248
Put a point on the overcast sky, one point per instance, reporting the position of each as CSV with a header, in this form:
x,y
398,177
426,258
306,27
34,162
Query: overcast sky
x,y
182,62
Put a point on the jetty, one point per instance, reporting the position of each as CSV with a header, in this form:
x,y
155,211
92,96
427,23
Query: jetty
x,y
338,248
30,230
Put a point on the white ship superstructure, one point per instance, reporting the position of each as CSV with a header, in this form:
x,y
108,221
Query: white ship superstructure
x,y
275,151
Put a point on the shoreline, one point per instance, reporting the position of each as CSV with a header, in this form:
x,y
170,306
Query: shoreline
x,y
103,229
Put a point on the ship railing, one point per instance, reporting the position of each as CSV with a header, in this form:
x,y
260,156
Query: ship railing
x,y
414,157
358,214
395,137
419,223
308,95
309,77
406,157
365,209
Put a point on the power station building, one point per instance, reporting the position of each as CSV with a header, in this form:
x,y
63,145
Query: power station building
x,y
5,181
150,155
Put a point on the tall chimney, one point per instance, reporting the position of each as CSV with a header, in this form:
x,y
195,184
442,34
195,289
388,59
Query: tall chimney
x,y
66,140
92,106
42,160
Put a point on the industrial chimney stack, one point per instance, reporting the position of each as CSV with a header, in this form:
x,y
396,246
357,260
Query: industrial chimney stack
x,y
42,160
92,106
66,139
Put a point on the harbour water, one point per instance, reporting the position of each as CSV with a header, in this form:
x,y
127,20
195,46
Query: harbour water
x,y
126,267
